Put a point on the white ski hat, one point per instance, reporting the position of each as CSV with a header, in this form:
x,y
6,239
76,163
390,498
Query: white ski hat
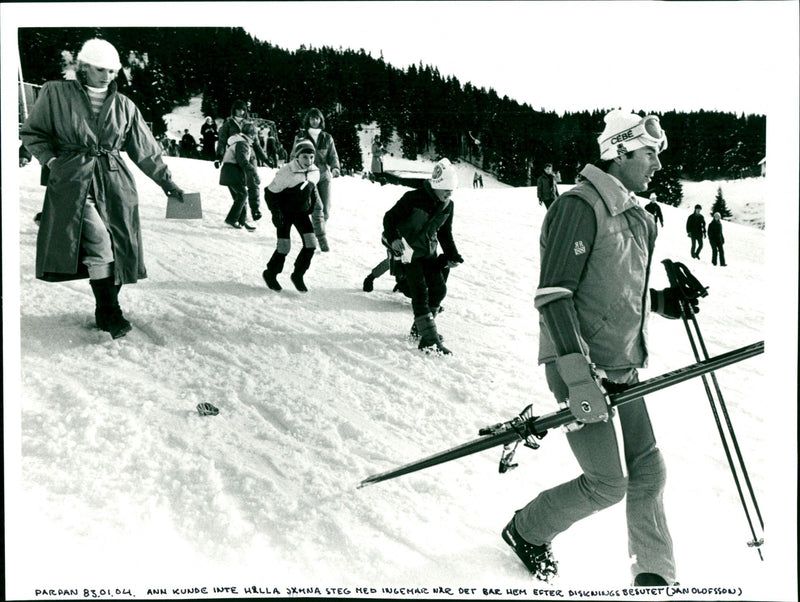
x,y
99,53
444,176
625,132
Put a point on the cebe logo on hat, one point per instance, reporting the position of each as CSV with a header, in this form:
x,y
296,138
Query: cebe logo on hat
x,y
444,176
99,53
626,132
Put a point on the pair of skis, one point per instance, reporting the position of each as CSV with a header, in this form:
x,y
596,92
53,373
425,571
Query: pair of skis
x,y
528,428
524,427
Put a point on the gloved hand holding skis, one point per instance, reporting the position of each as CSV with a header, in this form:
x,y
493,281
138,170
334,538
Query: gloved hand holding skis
x,y
587,397
667,303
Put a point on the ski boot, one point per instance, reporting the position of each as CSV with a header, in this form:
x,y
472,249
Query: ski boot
x,y
649,580
538,559
429,338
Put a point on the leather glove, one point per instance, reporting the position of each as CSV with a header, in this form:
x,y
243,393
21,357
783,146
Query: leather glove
x,y
587,398
397,246
667,303
456,261
217,163
277,218
171,189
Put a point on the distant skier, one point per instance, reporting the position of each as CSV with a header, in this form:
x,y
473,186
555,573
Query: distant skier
x,y
293,199
696,230
654,210
423,218
209,135
378,150
546,188
188,145
717,240
90,226
596,249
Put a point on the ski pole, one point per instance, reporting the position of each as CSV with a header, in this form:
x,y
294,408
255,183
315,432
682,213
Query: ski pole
x,y
525,427
689,289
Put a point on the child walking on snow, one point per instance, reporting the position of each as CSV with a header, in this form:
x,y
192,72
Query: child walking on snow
x,y
293,200
424,218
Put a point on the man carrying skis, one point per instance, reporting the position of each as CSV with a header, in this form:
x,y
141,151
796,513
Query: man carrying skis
x,y
593,297
424,218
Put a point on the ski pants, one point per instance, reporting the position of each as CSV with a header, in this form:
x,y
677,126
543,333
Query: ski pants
x,y
426,284
612,469
301,221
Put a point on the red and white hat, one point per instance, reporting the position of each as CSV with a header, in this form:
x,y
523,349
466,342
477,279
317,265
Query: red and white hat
x,y
625,132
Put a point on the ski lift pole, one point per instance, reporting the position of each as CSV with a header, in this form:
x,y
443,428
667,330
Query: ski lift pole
x,y
689,288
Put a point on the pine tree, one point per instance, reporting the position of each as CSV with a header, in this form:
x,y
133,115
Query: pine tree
x,y
667,185
720,206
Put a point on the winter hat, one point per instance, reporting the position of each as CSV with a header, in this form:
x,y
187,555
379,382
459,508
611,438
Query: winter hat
x,y
304,146
625,132
99,53
444,176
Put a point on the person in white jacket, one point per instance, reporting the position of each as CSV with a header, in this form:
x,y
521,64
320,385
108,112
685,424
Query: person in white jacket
x,y
293,199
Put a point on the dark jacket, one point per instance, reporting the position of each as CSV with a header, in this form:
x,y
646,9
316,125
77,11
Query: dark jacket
x,y
715,232
654,210
546,189
696,225
88,156
424,221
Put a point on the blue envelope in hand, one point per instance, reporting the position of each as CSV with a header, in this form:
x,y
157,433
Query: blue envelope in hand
x,y
190,208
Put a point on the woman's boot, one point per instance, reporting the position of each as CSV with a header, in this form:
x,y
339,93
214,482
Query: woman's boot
x,y
107,313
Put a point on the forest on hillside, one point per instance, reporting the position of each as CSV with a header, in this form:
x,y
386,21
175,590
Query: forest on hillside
x,y
163,67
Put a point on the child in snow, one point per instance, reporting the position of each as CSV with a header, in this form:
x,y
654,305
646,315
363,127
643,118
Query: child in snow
x,y
238,169
395,266
293,200
422,218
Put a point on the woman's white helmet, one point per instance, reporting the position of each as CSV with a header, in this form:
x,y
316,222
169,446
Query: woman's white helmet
x,y
99,53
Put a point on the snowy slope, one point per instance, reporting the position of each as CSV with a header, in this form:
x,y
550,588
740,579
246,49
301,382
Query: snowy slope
x,y
121,484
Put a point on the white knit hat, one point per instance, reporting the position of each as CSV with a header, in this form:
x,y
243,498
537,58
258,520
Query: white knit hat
x,y
444,176
99,53
625,132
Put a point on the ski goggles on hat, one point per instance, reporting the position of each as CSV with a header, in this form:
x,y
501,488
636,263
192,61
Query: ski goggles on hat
x,y
647,132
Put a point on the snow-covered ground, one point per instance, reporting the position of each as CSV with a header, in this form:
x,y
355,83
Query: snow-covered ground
x,y
114,481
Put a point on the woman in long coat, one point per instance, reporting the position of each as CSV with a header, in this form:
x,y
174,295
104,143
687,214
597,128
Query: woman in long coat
x,y
90,218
